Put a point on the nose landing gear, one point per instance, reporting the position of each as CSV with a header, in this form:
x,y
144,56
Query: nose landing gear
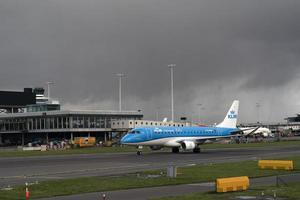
x,y
139,150
197,150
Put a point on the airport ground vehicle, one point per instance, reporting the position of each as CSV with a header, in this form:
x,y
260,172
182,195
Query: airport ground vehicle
x,y
85,141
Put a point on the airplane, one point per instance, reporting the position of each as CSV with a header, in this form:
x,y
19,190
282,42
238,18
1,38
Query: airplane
x,y
187,138
264,132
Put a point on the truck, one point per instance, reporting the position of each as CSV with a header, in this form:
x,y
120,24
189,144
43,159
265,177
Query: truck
x,y
85,141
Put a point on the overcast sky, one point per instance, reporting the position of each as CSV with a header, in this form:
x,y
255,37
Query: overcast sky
x,y
223,50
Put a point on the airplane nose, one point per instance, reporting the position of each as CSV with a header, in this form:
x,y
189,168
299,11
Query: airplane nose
x,y
124,139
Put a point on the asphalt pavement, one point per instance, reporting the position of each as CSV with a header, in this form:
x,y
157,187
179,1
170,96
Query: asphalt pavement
x,y
15,171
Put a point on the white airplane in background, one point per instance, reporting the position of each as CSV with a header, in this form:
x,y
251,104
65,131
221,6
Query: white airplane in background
x,y
264,132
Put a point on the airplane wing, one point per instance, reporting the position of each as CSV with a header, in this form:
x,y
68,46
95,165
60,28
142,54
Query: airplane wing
x,y
251,132
201,140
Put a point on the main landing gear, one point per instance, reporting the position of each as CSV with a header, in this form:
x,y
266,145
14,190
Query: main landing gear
x,y
195,150
175,150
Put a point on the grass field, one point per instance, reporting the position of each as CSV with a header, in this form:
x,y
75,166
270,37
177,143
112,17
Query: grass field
x,y
291,192
194,174
96,150
92,150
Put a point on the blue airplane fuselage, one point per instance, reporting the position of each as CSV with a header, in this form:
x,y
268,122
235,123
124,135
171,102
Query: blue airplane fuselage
x,y
162,135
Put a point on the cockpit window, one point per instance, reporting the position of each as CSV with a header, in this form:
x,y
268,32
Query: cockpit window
x,y
134,132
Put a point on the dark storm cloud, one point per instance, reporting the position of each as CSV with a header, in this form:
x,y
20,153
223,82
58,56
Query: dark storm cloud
x,y
80,45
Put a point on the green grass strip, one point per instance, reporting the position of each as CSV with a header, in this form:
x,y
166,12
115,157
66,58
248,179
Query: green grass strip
x,y
291,192
91,150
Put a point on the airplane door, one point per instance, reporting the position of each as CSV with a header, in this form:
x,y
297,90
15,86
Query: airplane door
x,y
149,134
219,132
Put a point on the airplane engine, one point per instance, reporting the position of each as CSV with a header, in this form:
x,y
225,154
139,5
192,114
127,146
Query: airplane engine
x,y
156,147
264,134
188,145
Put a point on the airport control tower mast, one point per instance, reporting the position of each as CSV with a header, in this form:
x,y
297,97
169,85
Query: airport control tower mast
x,y
48,88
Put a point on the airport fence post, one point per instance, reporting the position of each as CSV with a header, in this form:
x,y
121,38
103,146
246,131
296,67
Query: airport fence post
x,y
274,194
172,171
26,191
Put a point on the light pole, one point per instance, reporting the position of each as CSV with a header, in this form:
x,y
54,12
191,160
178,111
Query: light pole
x,y
120,90
171,66
48,88
199,104
157,110
258,106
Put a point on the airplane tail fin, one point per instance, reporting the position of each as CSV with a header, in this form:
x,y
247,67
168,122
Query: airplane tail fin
x,y
230,120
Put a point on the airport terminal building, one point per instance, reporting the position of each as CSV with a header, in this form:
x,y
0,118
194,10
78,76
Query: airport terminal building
x,y
27,116
21,128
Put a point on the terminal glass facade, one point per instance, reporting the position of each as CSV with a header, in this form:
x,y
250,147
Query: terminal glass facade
x,y
61,122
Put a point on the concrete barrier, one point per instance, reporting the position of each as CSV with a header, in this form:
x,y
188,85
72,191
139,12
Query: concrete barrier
x,y
43,147
276,164
32,148
232,184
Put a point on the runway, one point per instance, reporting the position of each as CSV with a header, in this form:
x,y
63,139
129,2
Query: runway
x,y
15,171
